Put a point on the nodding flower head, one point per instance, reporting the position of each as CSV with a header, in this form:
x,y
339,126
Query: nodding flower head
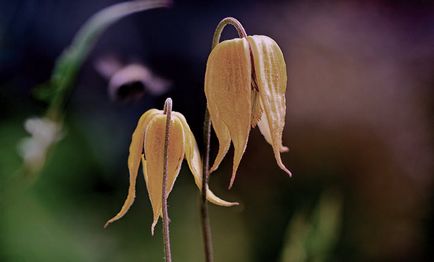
x,y
245,84
147,146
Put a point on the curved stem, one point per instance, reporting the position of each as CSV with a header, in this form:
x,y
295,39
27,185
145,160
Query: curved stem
x,y
223,23
58,89
206,228
166,233
70,61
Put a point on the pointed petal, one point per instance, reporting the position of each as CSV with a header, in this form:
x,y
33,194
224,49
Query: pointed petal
x,y
154,156
145,175
270,70
192,154
195,162
136,149
228,93
222,133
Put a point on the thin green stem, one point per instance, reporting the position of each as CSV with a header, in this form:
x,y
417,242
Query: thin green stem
x,y
59,87
70,61
206,227
166,232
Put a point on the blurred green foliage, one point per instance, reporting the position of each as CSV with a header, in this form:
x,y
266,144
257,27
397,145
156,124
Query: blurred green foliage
x,y
313,237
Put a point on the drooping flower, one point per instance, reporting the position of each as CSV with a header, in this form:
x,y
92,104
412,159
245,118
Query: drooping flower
x,y
147,145
245,84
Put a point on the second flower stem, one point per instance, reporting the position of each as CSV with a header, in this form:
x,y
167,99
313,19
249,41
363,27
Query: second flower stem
x,y
206,227
166,233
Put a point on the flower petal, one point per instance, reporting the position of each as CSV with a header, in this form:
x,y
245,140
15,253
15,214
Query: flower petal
x,y
228,93
264,127
154,155
192,154
195,162
222,133
144,166
136,149
256,107
270,69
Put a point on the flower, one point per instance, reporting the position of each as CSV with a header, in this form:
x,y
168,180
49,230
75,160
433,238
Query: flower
x,y
44,133
245,84
130,81
149,138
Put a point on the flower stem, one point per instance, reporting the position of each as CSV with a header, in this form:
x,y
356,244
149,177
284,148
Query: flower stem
x,y
166,233
206,227
223,23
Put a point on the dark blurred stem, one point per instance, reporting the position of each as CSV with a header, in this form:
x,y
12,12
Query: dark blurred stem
x,y
206,227
166,233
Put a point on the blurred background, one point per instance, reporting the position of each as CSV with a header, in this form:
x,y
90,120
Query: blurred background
x,y
359,128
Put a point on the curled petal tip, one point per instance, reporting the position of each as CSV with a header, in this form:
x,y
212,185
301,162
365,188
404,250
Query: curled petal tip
x,y
213,168
234,204
288,172
281,165
153,226
211,197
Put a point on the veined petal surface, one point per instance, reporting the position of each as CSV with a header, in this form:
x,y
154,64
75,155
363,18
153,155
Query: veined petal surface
x,y
154,156
264,127
257,110
228,93
136,150
270,69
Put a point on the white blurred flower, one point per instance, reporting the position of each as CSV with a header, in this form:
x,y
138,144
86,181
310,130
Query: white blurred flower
x,y
44,132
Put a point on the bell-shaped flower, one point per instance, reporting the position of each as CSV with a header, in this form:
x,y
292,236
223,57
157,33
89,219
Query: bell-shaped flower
x,y
245,84
147,146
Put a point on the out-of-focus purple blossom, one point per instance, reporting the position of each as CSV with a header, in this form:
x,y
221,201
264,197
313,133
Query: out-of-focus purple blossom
x,y
129,82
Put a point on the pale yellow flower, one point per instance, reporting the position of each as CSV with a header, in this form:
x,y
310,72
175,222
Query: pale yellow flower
x,y
148,144
245,86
